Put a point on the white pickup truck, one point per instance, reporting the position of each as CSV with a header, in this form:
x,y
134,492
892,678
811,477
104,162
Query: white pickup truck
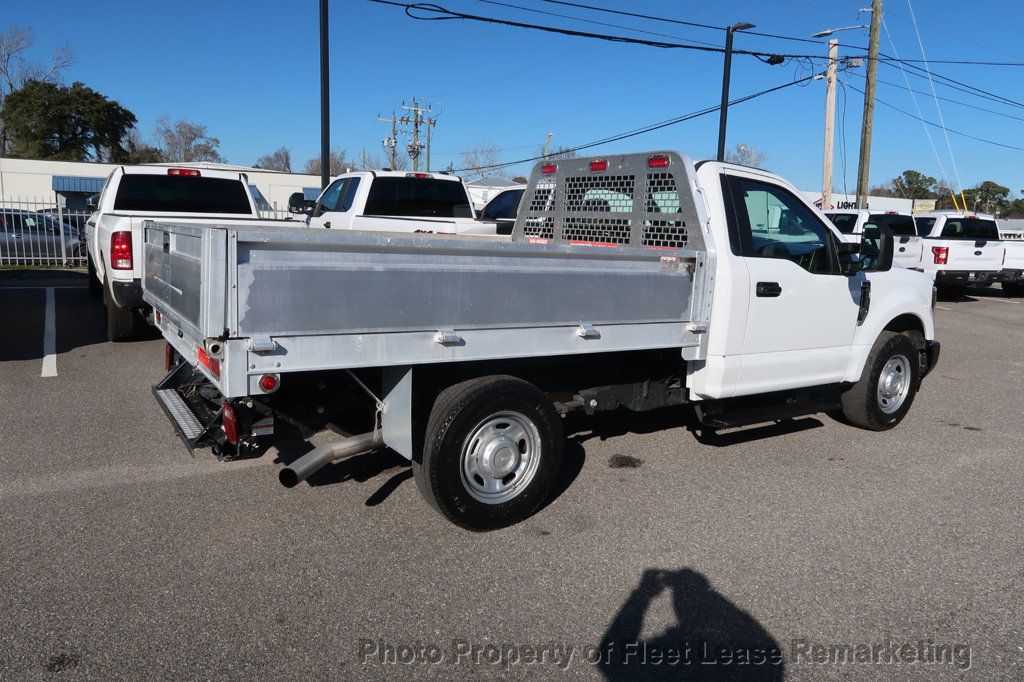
x,y
133,194
909,246
398,201
633,282
1012,275
960,250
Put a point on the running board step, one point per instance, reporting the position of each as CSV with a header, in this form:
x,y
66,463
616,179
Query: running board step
x,y
187,419
180,414
735,412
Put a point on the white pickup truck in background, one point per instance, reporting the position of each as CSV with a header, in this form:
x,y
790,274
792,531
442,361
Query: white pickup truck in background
x,y
397,201
134,194
909,246
960,250
1011,277
634,282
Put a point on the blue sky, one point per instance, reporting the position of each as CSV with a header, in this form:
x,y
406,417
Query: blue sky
x,y
248,70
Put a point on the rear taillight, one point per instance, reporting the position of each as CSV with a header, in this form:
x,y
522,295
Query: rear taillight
x,y
190,172
230,424
940,254
168,357
121,250
212,364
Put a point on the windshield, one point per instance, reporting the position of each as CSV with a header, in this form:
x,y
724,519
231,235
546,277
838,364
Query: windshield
x,y
899,225
181,194
425,197
844,222
970,228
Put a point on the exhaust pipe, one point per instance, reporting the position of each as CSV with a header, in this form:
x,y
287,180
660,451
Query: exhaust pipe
x,y
317,458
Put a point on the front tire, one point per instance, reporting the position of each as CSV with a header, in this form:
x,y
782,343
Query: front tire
x,y
492,451
122,323
887,386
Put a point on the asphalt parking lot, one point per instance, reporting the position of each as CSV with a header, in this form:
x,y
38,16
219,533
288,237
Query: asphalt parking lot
x,y
125,557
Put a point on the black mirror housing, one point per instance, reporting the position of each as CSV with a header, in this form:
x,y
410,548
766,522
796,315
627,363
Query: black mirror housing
x,y
877,248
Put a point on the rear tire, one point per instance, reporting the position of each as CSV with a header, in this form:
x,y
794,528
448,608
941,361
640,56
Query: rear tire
x,y
492,451
122,323
95,286
949,292
887,386
1013,289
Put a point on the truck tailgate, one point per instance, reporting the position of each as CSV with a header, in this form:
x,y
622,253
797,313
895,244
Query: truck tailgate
x,y
974,255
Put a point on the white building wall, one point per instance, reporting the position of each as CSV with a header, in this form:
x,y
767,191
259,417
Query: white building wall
x,y
33,178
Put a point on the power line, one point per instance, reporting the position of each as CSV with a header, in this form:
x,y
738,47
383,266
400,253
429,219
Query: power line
x,y
952,101
447,14
649,128
953,83
591,21
932,123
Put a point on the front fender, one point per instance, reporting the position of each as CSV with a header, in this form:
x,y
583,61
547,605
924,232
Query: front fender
x,y
898,292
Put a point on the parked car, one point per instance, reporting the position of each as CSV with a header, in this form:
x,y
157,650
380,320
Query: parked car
x,y
960,250
27,237
1011,277
909,246
712,287
396,201
502,209
133,195
75,218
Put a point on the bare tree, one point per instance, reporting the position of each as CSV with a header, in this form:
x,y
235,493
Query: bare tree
x,y
338,164
745,155
559,153
16,69
184,141
478,159
279,160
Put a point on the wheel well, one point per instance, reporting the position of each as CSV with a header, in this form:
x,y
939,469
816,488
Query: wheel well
x,y
907,322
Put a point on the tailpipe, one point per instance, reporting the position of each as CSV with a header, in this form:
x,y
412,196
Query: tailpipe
x,y
317,458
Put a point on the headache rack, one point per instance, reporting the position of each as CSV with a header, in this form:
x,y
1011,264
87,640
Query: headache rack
x,y
641,200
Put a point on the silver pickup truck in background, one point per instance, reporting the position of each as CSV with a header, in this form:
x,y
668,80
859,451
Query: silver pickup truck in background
x,y
634,282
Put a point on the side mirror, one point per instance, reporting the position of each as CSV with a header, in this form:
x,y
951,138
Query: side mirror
x,y
92,203
876,248
297,203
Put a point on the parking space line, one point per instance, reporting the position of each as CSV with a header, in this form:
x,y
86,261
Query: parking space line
x,y
50,337
997,300
33,287
942,307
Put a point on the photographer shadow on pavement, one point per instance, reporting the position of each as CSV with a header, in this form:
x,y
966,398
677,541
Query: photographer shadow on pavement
x,y
713,639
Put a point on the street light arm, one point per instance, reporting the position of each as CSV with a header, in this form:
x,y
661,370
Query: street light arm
x,y
829,31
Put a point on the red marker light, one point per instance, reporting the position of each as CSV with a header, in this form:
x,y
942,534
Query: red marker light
x,y
121,250
599,165
548,169
230,424
268,383
418,175
659,161
209,363
191,172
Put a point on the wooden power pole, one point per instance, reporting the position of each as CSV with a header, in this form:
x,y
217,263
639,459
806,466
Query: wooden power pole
x,y
830,119
868,124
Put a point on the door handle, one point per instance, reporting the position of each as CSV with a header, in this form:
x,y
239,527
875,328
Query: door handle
x,y
768,289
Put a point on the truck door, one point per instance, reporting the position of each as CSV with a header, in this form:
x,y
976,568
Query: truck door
x,y
802,311
333,204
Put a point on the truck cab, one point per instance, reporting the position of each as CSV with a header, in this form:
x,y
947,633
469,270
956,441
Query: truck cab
x,y
960,250
386,201
909,245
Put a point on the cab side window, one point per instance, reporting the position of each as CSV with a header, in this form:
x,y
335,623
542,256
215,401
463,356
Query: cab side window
x,y
767,221
330,198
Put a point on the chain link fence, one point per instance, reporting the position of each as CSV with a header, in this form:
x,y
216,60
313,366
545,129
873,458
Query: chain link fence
x,y
36,231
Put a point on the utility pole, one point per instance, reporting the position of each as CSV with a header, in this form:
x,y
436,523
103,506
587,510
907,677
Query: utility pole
x,y
830,119
390,143
325,104
547,144
419,117
430,123
868,124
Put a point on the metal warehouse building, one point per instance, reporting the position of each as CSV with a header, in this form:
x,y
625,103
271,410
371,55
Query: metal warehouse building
x,y
69,183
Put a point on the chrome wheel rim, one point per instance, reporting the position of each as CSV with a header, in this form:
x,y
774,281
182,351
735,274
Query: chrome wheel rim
x,y
500,457
894,384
